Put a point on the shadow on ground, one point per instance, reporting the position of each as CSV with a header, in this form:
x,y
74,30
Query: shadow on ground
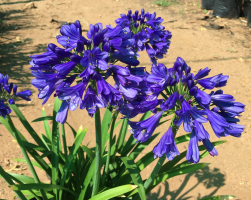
x,y
13,49
210,178
16,2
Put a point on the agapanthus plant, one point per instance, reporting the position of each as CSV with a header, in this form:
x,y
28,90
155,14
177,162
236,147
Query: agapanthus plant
x,y
101,70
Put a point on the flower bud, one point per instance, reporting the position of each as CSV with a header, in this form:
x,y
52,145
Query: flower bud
x,y
62,53
75,58
215,109
106,47
136,25
142,11
187,70
193,91
190,84
136,14
96,28
52,47
142,21
96,39
189,77
89,42
172,82
53,60
179,70
183,80
181,98
139,17
154,110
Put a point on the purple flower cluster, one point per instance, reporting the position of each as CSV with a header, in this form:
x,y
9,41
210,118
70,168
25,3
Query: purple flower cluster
x,y
149,34
77,73
182,94
8,92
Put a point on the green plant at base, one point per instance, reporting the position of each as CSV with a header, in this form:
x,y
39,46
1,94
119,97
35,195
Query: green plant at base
x,y
75,173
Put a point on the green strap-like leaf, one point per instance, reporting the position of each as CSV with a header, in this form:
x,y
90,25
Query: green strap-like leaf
x,y
154,173
33,162
108,157
169,165
166,175
105,127
10,182
55,147
112,172
30,194
24,152
183,138
37,186
23,178
40,119
46,126
114,192
46,142
88,151
186,163
79,138
136,151
26,124
87,180
122,134
135,175
39,160
145,161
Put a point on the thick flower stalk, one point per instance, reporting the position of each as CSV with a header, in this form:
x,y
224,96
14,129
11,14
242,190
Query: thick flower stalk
x,y
8,93
182,94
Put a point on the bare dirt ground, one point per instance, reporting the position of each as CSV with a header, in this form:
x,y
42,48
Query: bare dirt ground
x,y
24,32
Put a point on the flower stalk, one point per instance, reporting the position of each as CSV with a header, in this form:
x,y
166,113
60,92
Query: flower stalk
x,y
97,174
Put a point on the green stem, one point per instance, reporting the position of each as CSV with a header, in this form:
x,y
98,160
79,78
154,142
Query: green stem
x,y
179,87
28,161
109,148
155,171
97,174
10,182
20,183
64,140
